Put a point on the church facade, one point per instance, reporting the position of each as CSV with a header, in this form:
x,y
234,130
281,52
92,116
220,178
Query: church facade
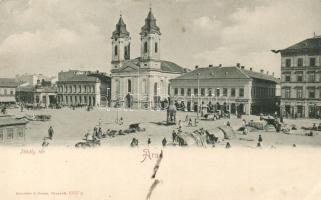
x,y
142,82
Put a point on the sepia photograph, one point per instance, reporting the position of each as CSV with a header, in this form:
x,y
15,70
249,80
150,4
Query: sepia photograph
x,y
151,99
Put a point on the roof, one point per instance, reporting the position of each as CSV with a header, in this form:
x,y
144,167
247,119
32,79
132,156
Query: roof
x,y
10,121
121,30
166,66
310,43
225,73
150,25
307,45
8,82
76,76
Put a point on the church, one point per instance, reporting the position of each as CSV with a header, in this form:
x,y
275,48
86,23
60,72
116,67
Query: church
x,y
142,82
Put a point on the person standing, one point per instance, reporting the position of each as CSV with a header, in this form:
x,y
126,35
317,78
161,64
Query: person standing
x,y
149,141
260,139
174,135
50,132
164,142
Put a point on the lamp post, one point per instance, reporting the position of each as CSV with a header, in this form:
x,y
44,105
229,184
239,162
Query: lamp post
x,y
198,94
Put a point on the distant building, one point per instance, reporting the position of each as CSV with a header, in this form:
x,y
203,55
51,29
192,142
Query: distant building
x,y
43,94
142,82
12,130
31,79
83,88
8,90
229,89
301,79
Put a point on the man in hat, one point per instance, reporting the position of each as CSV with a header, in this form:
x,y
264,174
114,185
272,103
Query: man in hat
x,y
50,132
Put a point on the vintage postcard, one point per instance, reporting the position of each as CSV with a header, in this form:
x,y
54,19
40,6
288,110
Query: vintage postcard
x,y
170,100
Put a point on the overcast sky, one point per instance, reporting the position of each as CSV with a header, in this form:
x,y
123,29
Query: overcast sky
x,y
47,36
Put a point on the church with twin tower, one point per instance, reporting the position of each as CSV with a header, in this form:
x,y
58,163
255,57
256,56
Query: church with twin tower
x,y
142,82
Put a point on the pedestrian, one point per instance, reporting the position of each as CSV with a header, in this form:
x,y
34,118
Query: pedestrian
x,y
190,122
174,135
258,145
228,123
100,132
149,141
50,132
121,121
164,142
195,122
186,118
260,139
228,145
294,145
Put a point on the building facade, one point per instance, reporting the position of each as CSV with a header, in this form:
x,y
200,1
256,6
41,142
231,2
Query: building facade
x,y
8,90
83,88
229,89
12,130
142,82
32,79
43,94
301,79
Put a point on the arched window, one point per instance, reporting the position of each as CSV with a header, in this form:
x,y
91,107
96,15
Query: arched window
x,y
156,47
155,89
116,50
145,47
129,86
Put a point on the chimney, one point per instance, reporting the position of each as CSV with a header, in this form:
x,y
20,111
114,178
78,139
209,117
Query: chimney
x,y
242,67
196,66
251,69
267,72
238,65
220,65
210,65
262,71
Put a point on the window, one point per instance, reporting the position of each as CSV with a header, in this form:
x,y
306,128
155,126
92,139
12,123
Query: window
x,y
225,92
300,62
241,92
75,89
210,92
9,133
1,134
156,47
145,47
311,93
299,78
182,92
312,62
202,91
189,91
195,91
311,77
217,92
20,132
129,86
232,92
288,62
287,78
287,93
175,91
116,50
299,93
11,92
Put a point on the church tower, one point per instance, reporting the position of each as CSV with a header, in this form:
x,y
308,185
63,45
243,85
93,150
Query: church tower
x,y
150,42
120,44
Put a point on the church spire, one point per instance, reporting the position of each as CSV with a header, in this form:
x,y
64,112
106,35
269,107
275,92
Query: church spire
x,y
150,26
121,30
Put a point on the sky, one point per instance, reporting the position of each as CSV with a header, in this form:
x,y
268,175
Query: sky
x,y
48,36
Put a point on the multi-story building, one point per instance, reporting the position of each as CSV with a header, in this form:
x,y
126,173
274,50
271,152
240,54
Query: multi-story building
x,y
233,89
144,81
83,88
8,90
301,79
43,94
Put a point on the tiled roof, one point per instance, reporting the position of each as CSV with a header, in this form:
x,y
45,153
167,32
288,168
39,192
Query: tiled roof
x,y
8,82
166,66
224,73
310,43
10,121
75,76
